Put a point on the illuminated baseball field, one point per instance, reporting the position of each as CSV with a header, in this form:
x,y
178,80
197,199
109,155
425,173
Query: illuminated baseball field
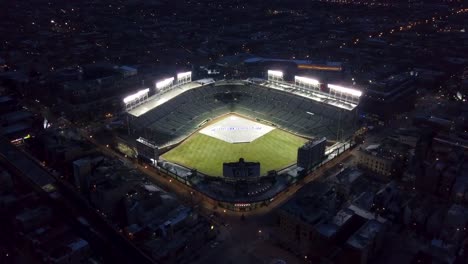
x,y
207,149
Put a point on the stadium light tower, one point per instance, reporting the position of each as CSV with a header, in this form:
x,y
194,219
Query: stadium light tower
x,y
164,84
184,77
136,99
275,76
307,83
344,93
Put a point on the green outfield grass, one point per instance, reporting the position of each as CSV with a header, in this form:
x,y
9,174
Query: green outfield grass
x,y
274,151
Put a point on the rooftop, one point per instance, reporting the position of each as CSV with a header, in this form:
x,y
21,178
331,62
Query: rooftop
x,y
30,214
340,219
14,128
391,84
5,98
28,167
389,149
77,244
15,116
313,203
365,236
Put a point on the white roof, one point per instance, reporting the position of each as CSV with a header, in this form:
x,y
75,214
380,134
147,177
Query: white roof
x,y
372,147
158,99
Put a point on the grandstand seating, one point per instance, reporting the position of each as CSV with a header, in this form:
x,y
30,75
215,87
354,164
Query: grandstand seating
x,y
180,116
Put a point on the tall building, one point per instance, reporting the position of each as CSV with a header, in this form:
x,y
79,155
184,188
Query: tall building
x,y
311,154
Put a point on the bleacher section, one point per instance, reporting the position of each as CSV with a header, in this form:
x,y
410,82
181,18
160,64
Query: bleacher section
x,y
175,119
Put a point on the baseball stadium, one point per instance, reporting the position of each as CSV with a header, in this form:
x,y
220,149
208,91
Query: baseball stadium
x,y
194,128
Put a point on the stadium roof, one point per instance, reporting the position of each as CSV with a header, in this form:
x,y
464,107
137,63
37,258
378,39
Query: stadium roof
x,y
14,128
159,99
314,96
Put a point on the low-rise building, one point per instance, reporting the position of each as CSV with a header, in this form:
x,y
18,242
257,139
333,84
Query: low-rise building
x,y
30,219
72,252
386,159
366,243
298,218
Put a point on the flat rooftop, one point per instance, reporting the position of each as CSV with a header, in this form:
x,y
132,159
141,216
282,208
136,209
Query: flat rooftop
x,y
15,116
365,235
392,84
24,164
14,128
5,98
159,99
